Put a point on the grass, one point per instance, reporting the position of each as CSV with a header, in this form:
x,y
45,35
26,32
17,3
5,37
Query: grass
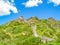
x,y
18,33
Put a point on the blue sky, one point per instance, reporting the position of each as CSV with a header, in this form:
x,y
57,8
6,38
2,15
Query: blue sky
x,y
43,9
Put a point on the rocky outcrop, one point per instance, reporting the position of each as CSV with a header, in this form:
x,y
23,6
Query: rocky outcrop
x,y
32,20
21,19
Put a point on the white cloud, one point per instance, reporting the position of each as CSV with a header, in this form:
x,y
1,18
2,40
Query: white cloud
x,y
56,2
6,7
32,3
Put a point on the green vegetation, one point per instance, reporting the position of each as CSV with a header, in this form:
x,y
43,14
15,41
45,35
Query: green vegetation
x,y
19,32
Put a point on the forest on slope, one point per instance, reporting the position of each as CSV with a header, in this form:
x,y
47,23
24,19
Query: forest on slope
x,y
32,31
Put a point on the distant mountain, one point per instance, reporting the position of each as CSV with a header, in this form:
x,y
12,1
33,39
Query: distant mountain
x,y
32,31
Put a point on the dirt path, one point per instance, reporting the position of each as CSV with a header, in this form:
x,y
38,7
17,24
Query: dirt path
x,y
43,39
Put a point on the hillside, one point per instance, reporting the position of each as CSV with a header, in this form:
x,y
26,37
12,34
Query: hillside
x,y
32,31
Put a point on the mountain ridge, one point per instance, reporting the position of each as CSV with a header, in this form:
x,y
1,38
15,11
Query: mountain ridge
x,y
33,30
